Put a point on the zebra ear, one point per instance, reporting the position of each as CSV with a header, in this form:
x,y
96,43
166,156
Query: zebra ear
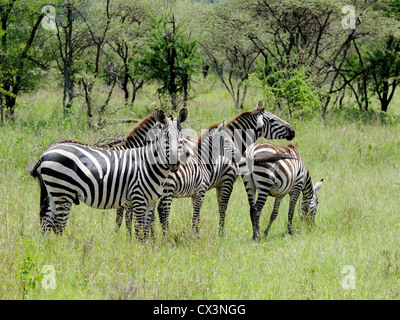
x,y
182,115
260,105
159,115
260,121
221,126
318,185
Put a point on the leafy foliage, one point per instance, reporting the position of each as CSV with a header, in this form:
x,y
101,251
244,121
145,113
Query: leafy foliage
x,y
29,273
289,90
168,57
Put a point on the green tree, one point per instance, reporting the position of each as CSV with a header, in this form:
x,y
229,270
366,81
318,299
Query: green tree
x,y
127,21
23,49
383,60
69,44
384,66
96,67
373,65
169,57
227,46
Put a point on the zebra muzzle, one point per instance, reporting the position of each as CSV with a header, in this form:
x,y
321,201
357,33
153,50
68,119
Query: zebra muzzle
x,y
290,132
174,167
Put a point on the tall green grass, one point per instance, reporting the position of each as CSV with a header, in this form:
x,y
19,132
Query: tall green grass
x,y
358,222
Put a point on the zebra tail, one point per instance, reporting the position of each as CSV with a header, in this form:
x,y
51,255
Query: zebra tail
x,y
33,168
44,196
275,158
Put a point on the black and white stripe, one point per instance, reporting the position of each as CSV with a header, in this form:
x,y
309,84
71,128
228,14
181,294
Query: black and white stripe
x,y
141,135
221,174
70,172
266,170
208,165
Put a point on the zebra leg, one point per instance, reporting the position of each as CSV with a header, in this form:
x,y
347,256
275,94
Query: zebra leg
x,y
150,218
63,207
163,209
251,197
197,202
140,223
292,205
47,209
128,220
274,214
223,196
256,212
118,219
47,215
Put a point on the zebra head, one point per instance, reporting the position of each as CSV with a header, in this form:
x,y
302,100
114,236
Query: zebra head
x,y
171,143
309,205
272,127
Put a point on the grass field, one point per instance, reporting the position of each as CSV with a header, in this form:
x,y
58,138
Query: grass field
x,y
352,252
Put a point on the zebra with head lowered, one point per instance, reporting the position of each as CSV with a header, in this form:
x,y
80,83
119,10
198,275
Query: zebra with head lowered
x,y
242,131
70,172
277,171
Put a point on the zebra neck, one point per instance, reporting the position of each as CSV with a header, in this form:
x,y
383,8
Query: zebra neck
x,y
136,138
243,133
155,157
308,190
206,152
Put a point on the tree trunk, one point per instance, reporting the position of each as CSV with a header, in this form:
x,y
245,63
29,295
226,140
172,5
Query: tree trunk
x,y
1,110
206,68
384,97
384,105
171,58
68,73
125,87
136,86
10,105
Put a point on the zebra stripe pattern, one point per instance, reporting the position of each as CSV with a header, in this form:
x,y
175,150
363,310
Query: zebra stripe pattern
x,y
141,135
194,177
70,172
243,130
267,169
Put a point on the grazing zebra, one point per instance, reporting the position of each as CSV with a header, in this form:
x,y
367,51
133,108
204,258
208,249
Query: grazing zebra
x,y
243,130
277,171
70,172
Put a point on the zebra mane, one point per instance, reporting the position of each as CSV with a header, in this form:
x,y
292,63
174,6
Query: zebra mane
x,y
207,132
245,114
142,124
82,144
69,141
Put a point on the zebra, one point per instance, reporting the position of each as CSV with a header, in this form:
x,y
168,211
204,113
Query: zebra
x,y
209,163
139,136
277,171
216,143
243,130
70,172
